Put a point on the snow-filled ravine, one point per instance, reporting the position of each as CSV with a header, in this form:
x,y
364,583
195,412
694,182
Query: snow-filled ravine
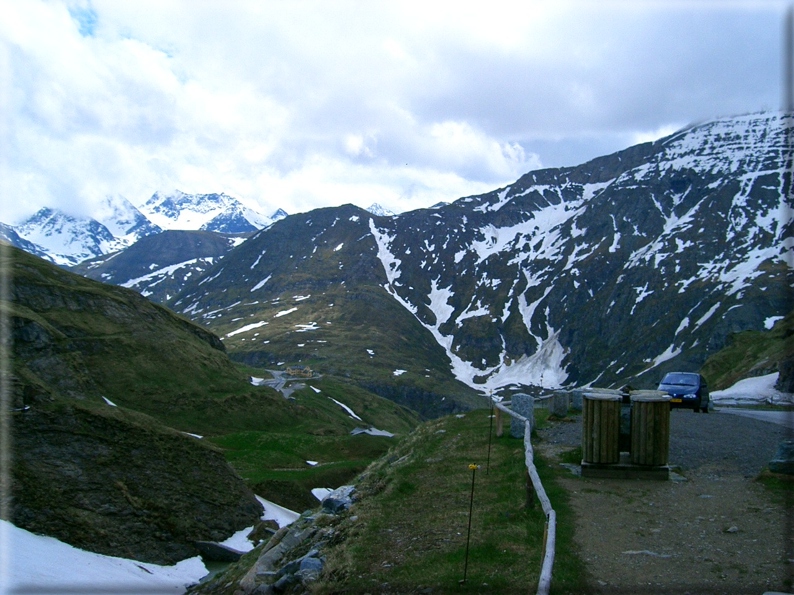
x,y
32,563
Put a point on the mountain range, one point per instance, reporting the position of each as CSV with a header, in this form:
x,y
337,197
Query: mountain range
x,y
610,272
68,240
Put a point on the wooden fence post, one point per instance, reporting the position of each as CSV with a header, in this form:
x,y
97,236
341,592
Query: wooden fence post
x,y
499,423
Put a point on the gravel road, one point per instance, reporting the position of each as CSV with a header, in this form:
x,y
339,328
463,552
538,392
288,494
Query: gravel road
x,y
712,530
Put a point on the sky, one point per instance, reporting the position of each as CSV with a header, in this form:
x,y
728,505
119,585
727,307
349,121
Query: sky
x,y
306,104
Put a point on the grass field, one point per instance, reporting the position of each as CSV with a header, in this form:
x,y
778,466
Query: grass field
x,y
273,460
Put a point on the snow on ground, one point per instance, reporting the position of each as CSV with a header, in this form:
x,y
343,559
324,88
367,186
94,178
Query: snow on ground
x,y
169,270
753,391
247,327
321,493
32,563
346,408
272,511
38,564
371,432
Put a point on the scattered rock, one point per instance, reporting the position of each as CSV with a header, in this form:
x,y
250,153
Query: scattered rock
x,y
784,458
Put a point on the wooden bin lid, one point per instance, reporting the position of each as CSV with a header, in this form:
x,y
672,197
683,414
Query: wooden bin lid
x,y
603,396
650,396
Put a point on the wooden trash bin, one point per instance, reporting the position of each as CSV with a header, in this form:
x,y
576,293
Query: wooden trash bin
x,y
650,427
600,427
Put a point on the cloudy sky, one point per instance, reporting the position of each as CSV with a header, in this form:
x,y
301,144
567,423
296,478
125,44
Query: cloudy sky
x,y
304,104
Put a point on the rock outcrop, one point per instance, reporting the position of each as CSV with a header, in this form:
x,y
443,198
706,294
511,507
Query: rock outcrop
x,y
118,483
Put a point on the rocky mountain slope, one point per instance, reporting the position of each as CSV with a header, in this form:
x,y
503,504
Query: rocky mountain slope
x,y
86,467
308,290
613,271
158,266
120,409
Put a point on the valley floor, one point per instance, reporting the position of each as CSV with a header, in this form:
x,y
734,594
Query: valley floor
x,y
715,529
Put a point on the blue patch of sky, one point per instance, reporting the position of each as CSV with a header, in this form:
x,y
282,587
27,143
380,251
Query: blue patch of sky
x,y
86,18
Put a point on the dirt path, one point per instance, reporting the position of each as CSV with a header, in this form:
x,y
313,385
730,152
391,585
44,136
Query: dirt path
x,y
713,530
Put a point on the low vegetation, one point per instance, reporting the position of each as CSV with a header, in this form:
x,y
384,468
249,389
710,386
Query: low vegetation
x,y
409,530
313,448
752,353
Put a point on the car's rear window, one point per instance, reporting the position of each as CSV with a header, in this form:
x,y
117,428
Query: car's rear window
x,y
681,379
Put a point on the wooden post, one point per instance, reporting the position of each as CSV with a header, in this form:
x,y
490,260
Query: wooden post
x,y
499,423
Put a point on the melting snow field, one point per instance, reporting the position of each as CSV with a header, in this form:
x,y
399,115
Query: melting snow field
x,y
32,563
753,391
43,564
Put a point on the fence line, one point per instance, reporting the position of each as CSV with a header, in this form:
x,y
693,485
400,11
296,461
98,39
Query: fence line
x,y
550,536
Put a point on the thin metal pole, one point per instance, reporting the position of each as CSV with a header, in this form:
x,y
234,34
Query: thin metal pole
x,y
490,432
468,533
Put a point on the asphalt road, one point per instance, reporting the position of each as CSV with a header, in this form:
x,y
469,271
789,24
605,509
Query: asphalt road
x,y
781,418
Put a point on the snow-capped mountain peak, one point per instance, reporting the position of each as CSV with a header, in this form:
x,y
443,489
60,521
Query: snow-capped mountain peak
x,y
379,211
124,220
209,212
65,238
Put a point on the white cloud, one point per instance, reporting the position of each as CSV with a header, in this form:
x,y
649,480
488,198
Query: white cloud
x,y
306,104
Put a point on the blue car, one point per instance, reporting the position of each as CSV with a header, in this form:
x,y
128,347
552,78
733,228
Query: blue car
x,y
688,390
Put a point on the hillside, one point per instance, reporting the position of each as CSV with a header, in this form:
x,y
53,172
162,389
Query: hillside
x,y
157,266
105,387
611,272
309,290
755,353
406,531
110,481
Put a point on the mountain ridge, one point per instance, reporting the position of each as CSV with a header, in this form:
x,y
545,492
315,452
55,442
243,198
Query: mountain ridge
x,y
69,240
612,271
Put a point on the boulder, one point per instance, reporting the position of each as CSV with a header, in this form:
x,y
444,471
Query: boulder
x,y
339,500
784,458
217,552
523,404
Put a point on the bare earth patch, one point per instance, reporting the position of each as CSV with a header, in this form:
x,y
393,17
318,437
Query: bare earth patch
x,y
713,530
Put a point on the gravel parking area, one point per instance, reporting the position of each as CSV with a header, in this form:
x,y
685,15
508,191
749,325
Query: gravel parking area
x,y
740,444
712,530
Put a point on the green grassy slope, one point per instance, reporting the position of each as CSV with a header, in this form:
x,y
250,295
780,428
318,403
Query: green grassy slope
x,y
411,523
313,285
753,353
80,340
407,529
